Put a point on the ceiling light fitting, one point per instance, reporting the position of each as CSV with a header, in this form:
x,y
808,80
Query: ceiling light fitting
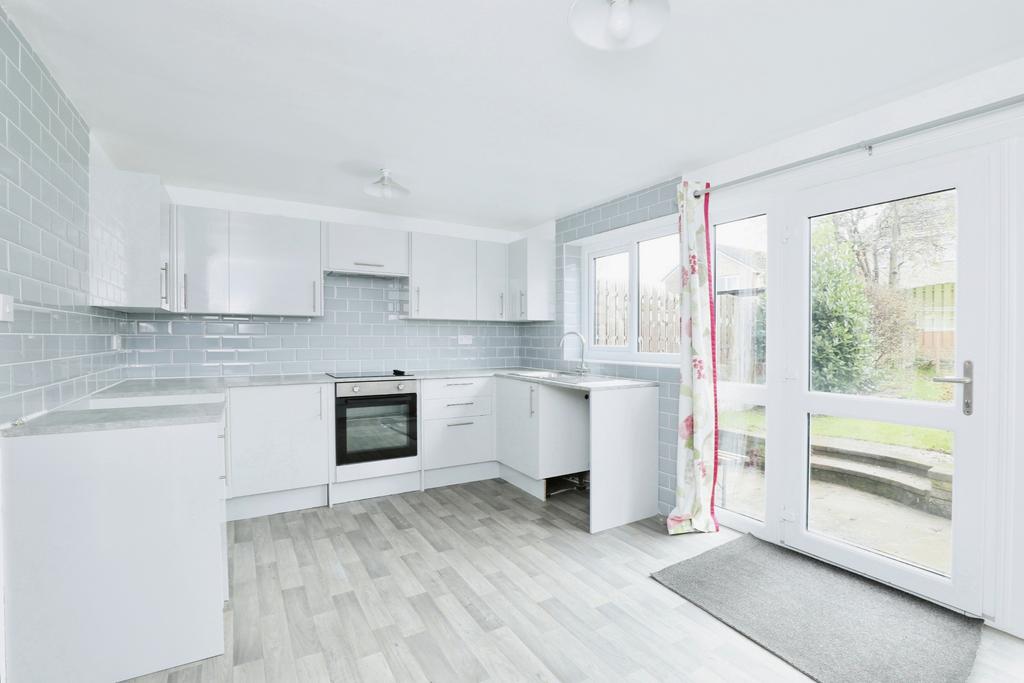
x,y
385,187
618,24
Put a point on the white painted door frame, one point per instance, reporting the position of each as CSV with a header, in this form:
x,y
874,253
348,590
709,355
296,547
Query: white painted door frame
x,y
973,164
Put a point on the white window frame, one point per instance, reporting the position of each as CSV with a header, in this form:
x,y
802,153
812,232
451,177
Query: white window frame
x,y
617,241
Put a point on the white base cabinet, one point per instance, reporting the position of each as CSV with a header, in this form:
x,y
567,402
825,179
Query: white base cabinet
x,y
279,438
542,431
458,425
112,552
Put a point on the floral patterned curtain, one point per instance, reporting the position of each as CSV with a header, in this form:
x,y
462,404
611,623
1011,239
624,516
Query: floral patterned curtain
x,y
697,460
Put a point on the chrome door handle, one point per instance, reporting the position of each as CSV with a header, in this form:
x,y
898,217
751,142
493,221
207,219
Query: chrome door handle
x,y
452,405
184,287
314,296
501,304
163,282
522,313
417,299
459,384
459,424
371,265
966,381
531,401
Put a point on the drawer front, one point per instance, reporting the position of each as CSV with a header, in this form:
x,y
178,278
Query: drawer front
x,y
460,406
460,441
457,387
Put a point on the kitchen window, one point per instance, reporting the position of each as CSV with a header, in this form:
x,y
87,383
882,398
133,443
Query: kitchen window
x,y
631,307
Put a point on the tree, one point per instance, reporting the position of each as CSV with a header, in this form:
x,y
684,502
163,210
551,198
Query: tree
x,y
841,342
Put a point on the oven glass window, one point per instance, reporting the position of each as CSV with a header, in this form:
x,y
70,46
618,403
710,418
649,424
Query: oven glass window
x,y
376,428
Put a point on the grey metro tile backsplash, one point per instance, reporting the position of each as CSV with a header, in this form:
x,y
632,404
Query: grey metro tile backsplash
x,y
363,329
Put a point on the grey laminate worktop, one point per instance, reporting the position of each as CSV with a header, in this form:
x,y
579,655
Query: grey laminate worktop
x,y
101,419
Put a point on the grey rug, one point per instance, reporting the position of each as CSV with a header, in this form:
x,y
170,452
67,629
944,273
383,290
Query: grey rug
x,y
829,623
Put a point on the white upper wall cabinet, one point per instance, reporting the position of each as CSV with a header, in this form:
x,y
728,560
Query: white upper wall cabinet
x,y
491,281
376,251
531,279
128,240
201,268
274,265
442,277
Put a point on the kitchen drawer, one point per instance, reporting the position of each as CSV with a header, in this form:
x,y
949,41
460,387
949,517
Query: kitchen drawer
x,y
460,406
460,441
457,387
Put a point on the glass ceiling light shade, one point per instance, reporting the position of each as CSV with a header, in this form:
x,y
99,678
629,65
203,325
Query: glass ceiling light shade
x,y
618,24
385,187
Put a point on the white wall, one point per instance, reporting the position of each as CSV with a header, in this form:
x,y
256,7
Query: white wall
x,y
335,214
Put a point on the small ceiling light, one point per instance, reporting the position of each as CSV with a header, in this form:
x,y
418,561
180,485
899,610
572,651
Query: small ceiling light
x,y
385,187
618,24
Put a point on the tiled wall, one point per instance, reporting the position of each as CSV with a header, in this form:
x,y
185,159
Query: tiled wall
x,y
361,331
57,349
540,340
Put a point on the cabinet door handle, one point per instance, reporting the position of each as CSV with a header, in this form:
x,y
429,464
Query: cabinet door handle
x,y
531,401
163,282
452,405
459,384
417,299
459,424
501,304
522,311
184,287
370,265
314,296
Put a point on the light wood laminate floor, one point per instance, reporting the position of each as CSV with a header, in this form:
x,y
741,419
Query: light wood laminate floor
x,y
479,582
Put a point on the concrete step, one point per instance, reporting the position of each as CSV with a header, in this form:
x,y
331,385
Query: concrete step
x,y
911,489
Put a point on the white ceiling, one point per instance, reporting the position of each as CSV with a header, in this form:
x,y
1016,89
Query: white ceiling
x,y
490,111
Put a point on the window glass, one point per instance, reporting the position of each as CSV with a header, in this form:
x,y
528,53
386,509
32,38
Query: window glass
x,y
883,288
611,300
741,279
659,286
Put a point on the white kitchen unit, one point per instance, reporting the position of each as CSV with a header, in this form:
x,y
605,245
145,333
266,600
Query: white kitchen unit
x,y
531,279
457,433
202,259
442,277
545,431
112,547
274,265
129,240
491,281
373,251
280,448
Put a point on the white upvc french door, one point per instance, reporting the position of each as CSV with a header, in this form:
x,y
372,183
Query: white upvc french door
x,y
875,465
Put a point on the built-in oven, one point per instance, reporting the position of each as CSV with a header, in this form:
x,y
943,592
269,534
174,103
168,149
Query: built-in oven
x,y
376,420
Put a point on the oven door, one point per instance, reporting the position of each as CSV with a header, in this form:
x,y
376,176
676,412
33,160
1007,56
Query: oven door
x,y
373,428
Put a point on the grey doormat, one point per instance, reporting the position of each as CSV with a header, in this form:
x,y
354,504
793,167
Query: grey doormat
x,y
832,625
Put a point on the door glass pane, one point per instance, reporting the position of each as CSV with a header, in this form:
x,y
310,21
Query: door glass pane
x,y
741,272
883,286
659,294
741,459
611,299
882,486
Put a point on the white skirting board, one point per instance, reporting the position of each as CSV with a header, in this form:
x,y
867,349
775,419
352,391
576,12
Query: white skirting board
x,y
345,491
535,487
247,507
460,474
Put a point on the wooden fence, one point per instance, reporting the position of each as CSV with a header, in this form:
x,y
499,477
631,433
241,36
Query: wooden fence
x,y
658,317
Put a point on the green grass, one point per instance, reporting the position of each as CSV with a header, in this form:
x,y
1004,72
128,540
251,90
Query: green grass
x,y
912,384
753,421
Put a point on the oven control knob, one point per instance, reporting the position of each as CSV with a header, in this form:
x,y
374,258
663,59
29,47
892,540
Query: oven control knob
x,y
401,386
355,389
